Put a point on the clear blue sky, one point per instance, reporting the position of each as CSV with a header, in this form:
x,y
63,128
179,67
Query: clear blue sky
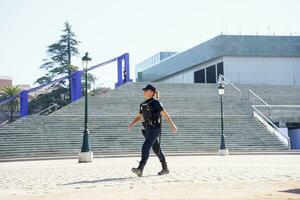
x,y
108,28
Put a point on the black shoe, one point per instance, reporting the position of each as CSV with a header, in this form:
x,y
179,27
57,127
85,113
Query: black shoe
x,y
164,170
137,171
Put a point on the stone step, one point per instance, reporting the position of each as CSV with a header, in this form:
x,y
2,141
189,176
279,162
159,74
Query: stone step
x,y
195,108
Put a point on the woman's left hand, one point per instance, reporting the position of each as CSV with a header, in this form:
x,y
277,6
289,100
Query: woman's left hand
x,y
174,128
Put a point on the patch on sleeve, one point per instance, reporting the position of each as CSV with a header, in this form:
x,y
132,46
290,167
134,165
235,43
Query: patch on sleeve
x,y
159,106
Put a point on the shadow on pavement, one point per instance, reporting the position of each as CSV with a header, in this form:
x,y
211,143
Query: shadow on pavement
x,y
106,180
293,191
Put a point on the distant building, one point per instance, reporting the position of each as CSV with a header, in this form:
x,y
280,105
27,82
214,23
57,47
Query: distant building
x,y
24,86
5,81
273,60
149,62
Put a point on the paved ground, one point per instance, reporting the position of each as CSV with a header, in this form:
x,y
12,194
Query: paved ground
x,y
191,177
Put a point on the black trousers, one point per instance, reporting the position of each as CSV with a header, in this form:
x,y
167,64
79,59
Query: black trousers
x,y
151,141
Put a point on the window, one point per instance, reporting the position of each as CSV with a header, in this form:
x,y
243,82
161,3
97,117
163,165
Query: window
x,y
199,76
220,69
211,74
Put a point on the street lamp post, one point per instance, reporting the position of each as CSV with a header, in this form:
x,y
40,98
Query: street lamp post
x,y
86,155
222,151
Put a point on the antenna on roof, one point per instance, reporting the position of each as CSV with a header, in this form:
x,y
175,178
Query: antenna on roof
x,y
268,30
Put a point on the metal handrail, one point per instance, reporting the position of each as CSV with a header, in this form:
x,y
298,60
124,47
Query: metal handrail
x,y
8,99
4,112
53,105
273,125
279,106
4,123
230,83
256,95
272,109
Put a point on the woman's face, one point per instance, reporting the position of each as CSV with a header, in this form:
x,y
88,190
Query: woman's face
x,y
148,94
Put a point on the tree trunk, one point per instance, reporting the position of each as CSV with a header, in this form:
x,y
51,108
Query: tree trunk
x,y
69,70
11,114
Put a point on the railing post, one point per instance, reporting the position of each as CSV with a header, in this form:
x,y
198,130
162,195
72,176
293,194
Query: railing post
x,y
127,68
222,78
121,80
119,76
76,86
23,103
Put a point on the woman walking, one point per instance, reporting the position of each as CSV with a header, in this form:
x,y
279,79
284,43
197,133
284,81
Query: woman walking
x,y
151,110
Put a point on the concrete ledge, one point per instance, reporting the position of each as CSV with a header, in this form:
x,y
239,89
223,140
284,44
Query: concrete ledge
x,y
84,157
223,152
291,152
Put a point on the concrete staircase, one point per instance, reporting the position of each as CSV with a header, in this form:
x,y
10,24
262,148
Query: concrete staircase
x,y
195,109
274,94
3,117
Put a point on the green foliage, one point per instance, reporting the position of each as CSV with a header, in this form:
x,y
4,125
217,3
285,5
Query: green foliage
x,y
58,61
57,94
90,79
99,91
57,64
13,105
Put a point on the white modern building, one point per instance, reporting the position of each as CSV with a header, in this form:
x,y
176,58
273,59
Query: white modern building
x,y
242,59
149,62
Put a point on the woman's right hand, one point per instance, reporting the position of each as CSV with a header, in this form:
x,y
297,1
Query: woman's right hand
x,y
130,126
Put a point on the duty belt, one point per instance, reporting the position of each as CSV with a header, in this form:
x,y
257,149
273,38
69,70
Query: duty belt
x,y
153,123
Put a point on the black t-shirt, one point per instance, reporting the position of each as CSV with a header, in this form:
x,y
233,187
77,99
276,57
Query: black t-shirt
x,y
151,108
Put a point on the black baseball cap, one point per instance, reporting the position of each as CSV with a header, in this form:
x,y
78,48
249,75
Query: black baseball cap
x,y
149,87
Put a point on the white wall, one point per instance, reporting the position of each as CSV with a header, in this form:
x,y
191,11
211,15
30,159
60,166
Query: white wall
x,y
187,76
6,77
249,70
263,70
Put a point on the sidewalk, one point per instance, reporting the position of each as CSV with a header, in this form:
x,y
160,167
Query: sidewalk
x,y
191,177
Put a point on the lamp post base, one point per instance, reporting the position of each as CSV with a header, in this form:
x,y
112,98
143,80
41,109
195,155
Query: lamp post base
x,y
84,157
223,152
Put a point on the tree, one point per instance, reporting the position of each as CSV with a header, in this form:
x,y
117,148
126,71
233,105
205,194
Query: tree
x,y
91,80
58,62
42,101
99,91
13,105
